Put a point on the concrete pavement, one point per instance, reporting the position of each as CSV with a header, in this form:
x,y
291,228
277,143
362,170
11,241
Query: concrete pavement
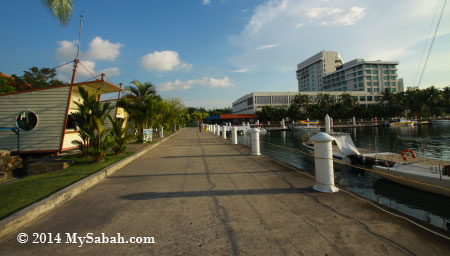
x,y
198,195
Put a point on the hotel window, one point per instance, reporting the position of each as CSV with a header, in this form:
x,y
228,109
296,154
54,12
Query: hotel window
x,y
369,83
376,89
385,66
385,71
393,84
392,77
386,77
386,83
360,78
361,84
369,89
360,73
375,78
368,71
369,98
393,89
376,83
355,98
362,98
262,99
355,80
392,71
368,78
360,67
375,71
355,86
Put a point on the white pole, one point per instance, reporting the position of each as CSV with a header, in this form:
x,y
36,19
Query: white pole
x,y
161,132
331,122
354,121
234,135
327,124
255,141
218,130
323,159
224,132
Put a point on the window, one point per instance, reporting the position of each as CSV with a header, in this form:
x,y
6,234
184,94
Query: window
x,y
393,84
393,89
362,98
280,99
355,80
369,98
355,98
386,83
385,71
368,71
392,72
262,100
376,90
71,123
375,71
360,73
369,83
385,66
360,67
250,101
393,78
369,89
376,83
360,78
355,86
369,78
386,77
375,78
27,120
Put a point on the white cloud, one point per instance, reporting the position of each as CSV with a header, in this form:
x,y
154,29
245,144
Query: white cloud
x,y
163,61
204,2
67,50
100,49
266,47
264,14
299,25
84,71
242,70
336,16
210,82
176,85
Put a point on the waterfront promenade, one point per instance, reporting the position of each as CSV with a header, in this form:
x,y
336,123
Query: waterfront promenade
x,y
197,194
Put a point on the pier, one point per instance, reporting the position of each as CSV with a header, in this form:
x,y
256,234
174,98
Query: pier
x,y
197,194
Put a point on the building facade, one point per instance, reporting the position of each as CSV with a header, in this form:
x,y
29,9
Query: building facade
x,y
255,101
310,71
360,75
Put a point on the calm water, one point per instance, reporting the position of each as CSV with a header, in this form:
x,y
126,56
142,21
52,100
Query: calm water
x,y
428,207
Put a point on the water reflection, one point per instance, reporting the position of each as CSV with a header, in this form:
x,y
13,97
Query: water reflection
x,y
428,207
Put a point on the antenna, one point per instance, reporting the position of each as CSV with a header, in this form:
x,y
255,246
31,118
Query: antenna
x,y
79,36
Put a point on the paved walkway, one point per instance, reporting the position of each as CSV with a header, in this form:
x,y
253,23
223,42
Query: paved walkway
x,y
198,195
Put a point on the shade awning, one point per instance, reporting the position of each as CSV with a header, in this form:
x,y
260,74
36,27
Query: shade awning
x,y
104,86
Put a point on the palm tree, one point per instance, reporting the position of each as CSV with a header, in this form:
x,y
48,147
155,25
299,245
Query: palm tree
x,y
141,103
61,9
302,101
119,136
387,97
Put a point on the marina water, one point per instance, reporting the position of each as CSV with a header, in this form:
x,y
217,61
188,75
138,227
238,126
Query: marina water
x,y
428,207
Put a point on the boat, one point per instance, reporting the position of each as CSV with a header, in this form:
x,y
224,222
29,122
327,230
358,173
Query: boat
x,y
402,122
428,177
344,149
306,125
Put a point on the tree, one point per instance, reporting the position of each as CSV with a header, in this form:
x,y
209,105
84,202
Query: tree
x,y
6,84
142,104
61,9
119,136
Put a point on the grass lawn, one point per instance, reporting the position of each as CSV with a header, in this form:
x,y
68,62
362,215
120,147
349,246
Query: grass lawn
x,y
22,193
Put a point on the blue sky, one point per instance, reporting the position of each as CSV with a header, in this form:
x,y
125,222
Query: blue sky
x,y
209,53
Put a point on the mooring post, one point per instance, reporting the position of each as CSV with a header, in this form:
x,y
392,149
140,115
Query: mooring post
x,y
323,159
255,141
224,132
327,124
234,135
161,132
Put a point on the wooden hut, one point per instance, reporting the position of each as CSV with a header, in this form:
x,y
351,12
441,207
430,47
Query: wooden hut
x,y
43,116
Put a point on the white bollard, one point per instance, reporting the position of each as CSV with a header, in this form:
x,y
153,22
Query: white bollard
x,y
161,132
268,122
234,136
248,124
255,141
327,124
213,129
323,159
224,132
354,121
331,123
218,130
243,123
257,122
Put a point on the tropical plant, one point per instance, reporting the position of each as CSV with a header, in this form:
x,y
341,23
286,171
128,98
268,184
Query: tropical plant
x,y
61,9
119,136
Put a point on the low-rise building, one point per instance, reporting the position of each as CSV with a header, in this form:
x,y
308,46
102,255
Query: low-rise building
x,y
255,101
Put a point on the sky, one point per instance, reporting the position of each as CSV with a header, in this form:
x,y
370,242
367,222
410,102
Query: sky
x,y
209,53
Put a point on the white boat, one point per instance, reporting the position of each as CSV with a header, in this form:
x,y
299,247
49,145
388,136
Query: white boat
x,y
434,179
343,149
306,125
402,122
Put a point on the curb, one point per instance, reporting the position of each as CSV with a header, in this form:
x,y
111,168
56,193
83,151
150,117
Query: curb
x,y
21,218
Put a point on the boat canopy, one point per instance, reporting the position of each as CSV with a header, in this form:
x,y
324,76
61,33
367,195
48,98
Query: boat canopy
x,y
346,145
